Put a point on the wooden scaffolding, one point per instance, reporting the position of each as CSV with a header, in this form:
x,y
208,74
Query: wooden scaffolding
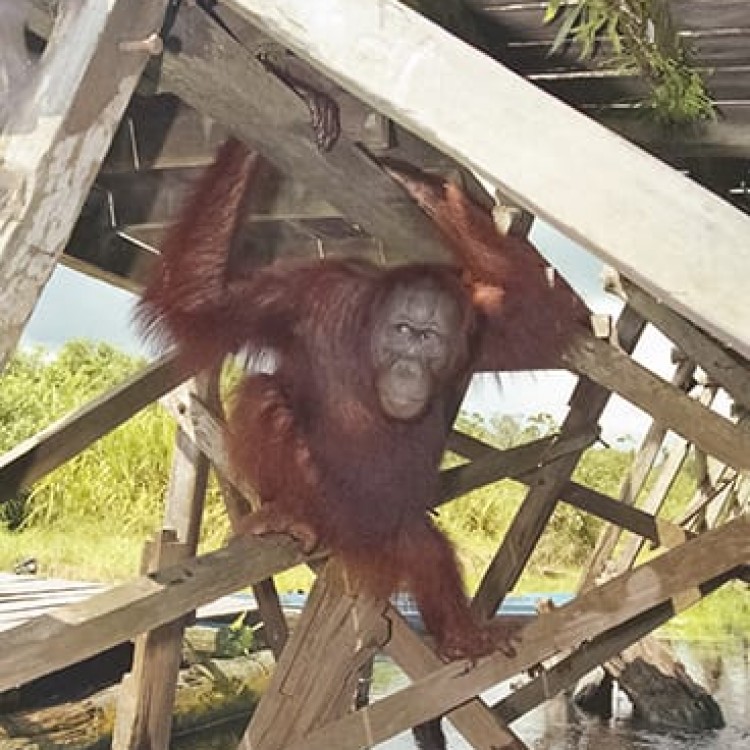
x,y
130,98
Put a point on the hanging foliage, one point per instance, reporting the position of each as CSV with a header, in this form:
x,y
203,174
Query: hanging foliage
x,y
644,42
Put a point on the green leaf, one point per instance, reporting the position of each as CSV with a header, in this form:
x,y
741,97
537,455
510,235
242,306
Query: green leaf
x,y
553,8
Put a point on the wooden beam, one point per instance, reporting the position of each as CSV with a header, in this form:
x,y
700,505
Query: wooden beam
x,y
315,679
38,455
146,699
654,501
566,672
50,151
565,168
77,631
674,576
224,79
613,369
721,366
490,465
148,694
474,720
632,484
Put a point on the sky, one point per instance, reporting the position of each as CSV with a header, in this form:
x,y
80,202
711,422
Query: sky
x,y
74,306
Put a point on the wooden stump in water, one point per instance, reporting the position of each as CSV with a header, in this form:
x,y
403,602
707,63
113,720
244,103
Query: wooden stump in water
x,y
662,692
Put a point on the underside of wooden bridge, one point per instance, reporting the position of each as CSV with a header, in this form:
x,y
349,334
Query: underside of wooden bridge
x,y
130,100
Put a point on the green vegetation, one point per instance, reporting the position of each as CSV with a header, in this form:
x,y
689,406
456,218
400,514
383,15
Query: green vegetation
x,y
643,42
67,520
90,518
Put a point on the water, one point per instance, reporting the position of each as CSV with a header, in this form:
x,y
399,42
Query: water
x,y
723,667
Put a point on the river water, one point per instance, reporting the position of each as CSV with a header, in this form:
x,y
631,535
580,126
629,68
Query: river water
x,y
723,667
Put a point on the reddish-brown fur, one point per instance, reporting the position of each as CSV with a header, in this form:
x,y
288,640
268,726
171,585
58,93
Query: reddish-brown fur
x,y
330,466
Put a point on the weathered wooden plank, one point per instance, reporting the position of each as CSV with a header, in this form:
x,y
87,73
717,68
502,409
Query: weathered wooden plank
x,y
160,132
635,520
586,88
156,197
632,484
708,50
474,719
33,458
711,432
424,78
490,465
674,574
50,159
654,501
566,672
80,630
147,695
315,678
221,78
730,373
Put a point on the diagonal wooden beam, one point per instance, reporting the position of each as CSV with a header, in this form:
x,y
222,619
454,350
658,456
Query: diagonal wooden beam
x,y
721,365
674,576
586,406
77,631
474,719
222,78
316,676
613,369
598,650
672,237
51,149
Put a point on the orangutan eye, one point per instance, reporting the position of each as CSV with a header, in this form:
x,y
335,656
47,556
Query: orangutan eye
x,y
428,335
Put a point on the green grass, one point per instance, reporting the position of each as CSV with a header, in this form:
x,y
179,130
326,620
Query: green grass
x,y
726,612
82,551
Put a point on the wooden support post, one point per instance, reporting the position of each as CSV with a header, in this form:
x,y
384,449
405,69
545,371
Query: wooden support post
x,y
655,500
147,695
204,424
49,158
632,484
586,406
657,496
146,699
315,680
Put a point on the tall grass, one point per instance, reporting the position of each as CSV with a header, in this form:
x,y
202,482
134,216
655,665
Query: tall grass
x,y
89,517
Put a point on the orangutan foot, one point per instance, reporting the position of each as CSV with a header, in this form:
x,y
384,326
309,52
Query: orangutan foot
x,y
480,641
268,520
